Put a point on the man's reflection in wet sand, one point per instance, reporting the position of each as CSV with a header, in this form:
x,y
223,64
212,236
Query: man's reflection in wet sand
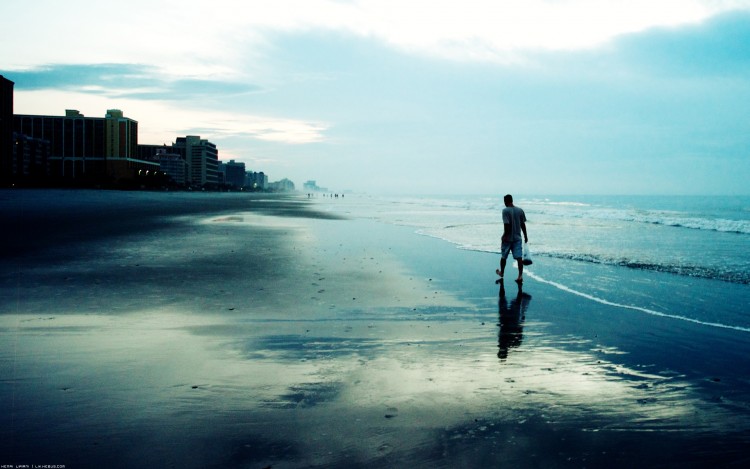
x,y
512,317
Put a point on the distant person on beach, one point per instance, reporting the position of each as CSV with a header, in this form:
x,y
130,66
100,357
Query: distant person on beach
x,y
514,223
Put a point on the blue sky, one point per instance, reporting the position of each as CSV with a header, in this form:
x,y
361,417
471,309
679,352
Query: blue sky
x,y
472,96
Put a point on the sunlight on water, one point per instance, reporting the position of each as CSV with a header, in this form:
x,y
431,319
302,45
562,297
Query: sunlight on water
x,y
406,371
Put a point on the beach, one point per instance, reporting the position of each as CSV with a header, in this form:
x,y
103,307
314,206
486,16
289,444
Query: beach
x,y
206,330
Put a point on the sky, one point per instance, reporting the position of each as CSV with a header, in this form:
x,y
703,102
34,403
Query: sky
x,y
411,96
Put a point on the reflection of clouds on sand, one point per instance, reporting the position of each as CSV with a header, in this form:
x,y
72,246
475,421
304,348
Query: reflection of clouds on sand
x,y
447,377
557,381
359,368
353,388
399,391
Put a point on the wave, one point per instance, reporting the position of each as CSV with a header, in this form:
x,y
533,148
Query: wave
x,y
720,225
635,308
724,275
678,269
555,204
490,207
737,276
654,217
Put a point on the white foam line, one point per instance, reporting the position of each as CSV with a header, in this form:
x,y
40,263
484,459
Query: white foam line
x,y
636,308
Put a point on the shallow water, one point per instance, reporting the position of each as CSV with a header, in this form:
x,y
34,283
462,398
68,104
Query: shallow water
x,y
705,237
684,238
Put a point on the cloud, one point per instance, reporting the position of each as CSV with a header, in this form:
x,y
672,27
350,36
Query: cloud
x,y
78,76
714,48
483,30
123,81
270,129
188,105
160,121
191,37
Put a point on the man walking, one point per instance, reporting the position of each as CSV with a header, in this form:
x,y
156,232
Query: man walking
x,y
514,223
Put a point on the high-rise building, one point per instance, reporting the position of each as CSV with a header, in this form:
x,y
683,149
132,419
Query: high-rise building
x,y
77,143
285,185
256,181
30,160
173,165
88,149
6,130
152,152
202,158
312,186
234,173
122,135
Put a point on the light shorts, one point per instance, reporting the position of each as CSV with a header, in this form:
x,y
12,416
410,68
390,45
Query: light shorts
x,y
515,246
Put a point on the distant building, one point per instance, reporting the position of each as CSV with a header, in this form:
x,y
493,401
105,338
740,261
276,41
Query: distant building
x,y
30,159
121,135
285,185
6,130
173,165
312,186
256,181
121,148
152,152
202,158
202,168
234,173
88,149
75,149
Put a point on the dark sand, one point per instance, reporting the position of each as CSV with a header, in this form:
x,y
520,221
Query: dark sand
x,y
235,330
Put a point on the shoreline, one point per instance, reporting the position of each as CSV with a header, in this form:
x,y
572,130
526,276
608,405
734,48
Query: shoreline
x,y
277,333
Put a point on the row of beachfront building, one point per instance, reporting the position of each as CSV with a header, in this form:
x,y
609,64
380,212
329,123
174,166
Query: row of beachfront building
x,y
76,150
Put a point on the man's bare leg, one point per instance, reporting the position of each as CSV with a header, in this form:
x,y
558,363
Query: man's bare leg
x,y
501,272
519,261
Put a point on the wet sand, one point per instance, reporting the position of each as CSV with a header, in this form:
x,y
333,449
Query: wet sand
x,y
236,330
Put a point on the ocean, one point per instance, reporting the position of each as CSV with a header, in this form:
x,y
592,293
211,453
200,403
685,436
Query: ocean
x,y
684,257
